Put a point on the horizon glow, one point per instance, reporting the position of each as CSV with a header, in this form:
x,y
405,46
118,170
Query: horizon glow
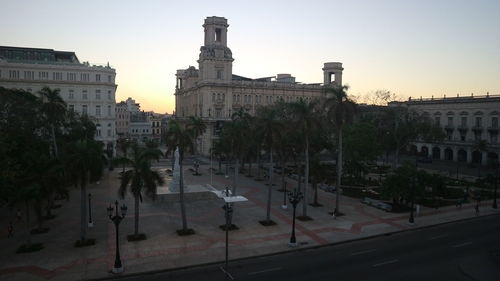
x,y
411,48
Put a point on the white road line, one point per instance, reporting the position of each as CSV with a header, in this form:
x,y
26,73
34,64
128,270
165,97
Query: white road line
x,y
264,271
362,252
439,236
384,263
461,245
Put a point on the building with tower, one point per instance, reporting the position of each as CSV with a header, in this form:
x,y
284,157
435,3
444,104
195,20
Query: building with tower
x,y
213,93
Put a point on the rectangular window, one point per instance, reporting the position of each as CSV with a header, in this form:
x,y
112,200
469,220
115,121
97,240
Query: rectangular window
x,y
97,110
71,94
57,76
109,110
494,122
29,75
450,121
218,33
71,107
97,96
493,137
43,75
109,95
84,95
109,78
98,77
14,74
71,76
98,132
84,109
109,132
219,74
84,77
437,120
479,121
464,121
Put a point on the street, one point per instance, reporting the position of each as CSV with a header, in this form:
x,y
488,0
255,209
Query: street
x,y
455,251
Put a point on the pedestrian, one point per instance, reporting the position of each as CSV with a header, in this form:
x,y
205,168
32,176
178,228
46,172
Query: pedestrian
x,y
19,216
10,229
476,208
418,210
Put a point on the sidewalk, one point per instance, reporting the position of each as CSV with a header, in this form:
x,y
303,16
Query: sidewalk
x,y
164,249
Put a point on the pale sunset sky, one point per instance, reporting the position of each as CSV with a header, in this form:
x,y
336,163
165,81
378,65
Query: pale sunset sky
x,y
411,48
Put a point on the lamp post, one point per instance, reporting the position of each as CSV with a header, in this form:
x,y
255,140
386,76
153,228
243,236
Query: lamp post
x,y
116,219
284,206
91,223
294,196
228,208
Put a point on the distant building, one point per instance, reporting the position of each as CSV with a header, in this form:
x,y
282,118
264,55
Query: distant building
x,y
214,93
122,119
467,120
87,89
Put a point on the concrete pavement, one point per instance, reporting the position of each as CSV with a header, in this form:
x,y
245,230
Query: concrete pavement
x,y
164,249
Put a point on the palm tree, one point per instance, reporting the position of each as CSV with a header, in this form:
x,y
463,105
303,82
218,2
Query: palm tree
x,y
54,108
198,127
85,162
267,119
304,117
123,145
480,146
140,179
178,136
340,109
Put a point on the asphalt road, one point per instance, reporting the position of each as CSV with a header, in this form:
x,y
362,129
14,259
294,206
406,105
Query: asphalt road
x,y
457,251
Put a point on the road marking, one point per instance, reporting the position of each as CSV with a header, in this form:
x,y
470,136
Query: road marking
x,y
362,252
384,263
264,271
439,236
461,245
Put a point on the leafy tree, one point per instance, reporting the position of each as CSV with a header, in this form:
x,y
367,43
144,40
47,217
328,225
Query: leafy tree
x,y
141,179
54,108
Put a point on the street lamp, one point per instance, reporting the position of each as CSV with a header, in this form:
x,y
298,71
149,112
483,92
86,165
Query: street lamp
x,y
284,206
91,223
228,208
294,196
118,267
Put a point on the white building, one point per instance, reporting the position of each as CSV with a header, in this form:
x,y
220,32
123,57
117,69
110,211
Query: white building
x,y
213,93
466,120
87,89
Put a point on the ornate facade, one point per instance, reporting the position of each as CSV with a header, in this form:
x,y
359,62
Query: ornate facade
x,y
213,93
467,121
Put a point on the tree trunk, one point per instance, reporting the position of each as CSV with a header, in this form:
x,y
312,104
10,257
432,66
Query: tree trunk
x,y
270,187
83,211
136,216
283,174
315,188
339,175
235,179
250,168
28,231
56,153
258,165
181,194
306,180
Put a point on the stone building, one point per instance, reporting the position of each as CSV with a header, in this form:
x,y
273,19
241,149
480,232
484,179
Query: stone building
x,y
213,93
467,121
87,89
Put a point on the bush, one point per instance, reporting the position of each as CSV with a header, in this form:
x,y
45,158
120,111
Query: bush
x,y
84,243
185,232
138,237
35,247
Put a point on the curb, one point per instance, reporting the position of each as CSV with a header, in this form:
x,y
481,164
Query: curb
x,y
200,265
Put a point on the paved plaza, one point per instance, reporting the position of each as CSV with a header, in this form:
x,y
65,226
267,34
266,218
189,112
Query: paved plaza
x,y
164,249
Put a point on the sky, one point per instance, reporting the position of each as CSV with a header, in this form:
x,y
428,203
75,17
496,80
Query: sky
x,y
411,48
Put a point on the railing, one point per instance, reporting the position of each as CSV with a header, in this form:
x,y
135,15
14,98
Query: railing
x,y
445,98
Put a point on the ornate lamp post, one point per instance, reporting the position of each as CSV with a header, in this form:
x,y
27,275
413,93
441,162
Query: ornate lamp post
x,y
118,267
91,223
294,197
228,208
